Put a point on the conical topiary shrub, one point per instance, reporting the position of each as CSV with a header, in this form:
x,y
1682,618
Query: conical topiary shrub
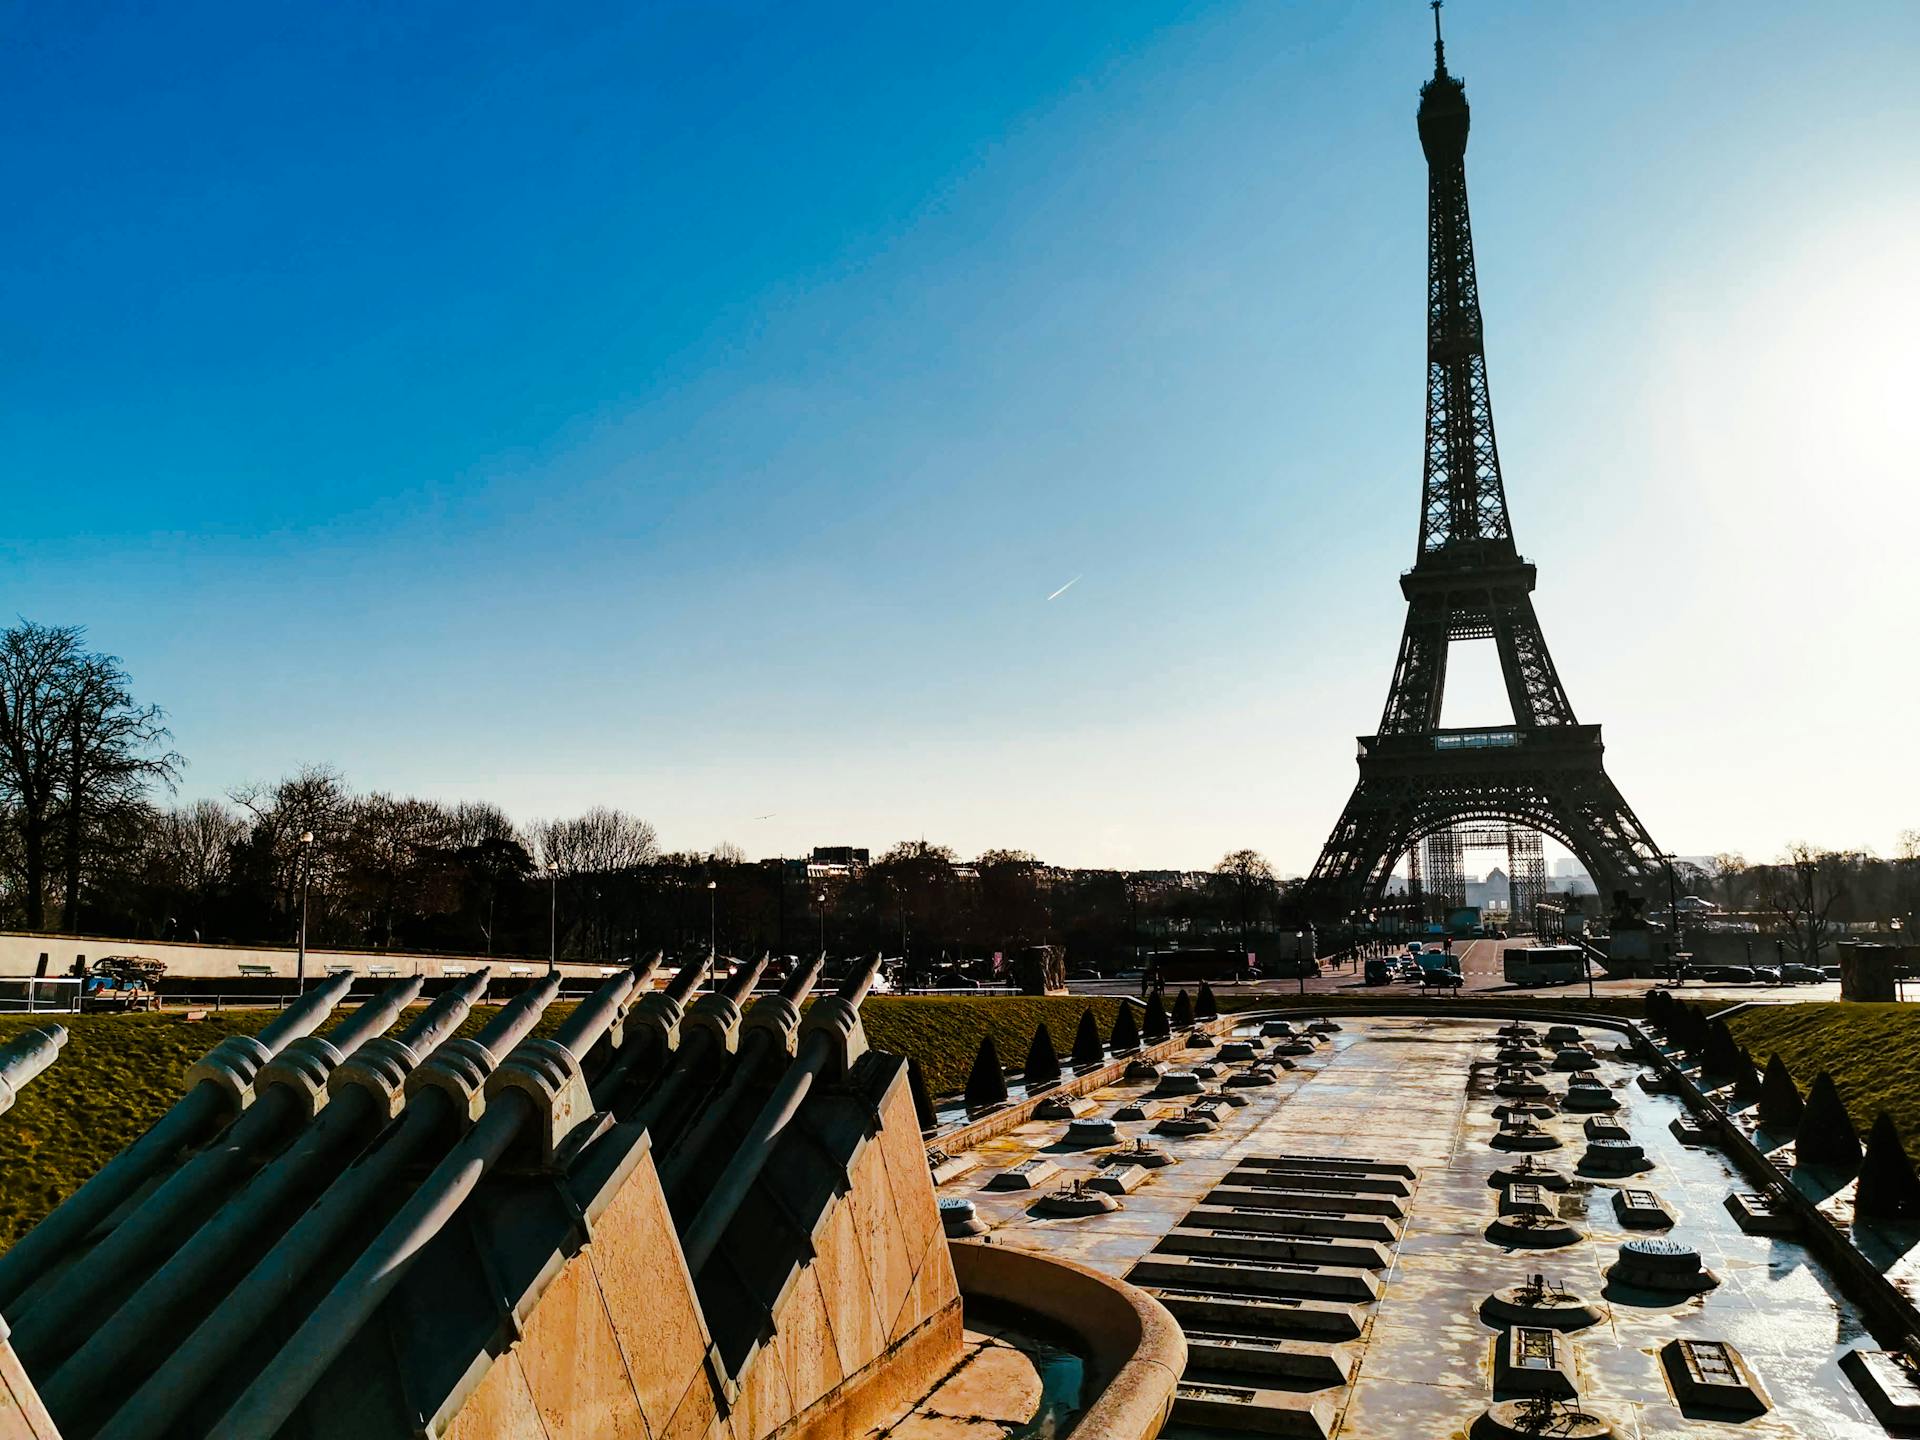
x,y
1087,1050
922,1098
1182,1010
1206,1007
1126,1031
1746,1079
1826,1136
1659,1008
1154,1027
1691,1025
1722,1050
1888,1188
986,1084
1043,1061
1780,1103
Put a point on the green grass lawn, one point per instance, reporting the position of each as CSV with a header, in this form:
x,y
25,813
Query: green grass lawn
x,y
1870,1050
942,1032
120,1073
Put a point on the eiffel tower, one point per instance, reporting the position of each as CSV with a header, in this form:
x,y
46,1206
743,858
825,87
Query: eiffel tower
x,y
1469,582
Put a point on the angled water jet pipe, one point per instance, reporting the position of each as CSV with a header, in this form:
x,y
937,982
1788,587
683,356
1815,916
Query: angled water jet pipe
x,y
710,1031
366,1090
541,1084
219,1085
289,1089
767,1030
830,1040
656,1015
441,1095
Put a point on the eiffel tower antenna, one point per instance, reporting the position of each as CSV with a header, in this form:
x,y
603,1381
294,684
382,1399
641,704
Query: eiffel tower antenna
x,y
1469,582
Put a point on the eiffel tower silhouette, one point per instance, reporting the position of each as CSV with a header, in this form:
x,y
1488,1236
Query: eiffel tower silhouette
x,y
1469,582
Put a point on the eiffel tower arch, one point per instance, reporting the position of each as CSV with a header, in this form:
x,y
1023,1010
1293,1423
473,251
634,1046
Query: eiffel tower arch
x,y
1470,582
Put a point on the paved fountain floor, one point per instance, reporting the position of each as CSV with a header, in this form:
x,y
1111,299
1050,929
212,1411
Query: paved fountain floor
x,y
1408,1091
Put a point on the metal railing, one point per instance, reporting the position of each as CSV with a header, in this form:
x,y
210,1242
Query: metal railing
x,y
34,994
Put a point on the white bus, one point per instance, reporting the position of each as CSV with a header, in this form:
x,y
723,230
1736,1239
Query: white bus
x,y
1543,964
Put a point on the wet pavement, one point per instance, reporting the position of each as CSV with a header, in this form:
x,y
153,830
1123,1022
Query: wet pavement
x,y
1418,1093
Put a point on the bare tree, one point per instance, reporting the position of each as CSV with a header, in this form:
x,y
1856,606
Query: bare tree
x,y
312,801
388,846
1802,891
602,841
1252,881
114,751
74,749
1733,878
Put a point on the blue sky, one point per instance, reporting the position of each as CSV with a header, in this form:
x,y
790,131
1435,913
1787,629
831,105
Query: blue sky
x,y
691,407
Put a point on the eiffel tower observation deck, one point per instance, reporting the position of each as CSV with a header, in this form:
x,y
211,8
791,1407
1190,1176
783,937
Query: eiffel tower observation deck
x,y
1470,582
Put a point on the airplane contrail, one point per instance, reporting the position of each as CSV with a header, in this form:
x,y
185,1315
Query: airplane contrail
x,y
1064,588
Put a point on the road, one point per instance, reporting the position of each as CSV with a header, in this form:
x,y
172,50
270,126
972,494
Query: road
x,y
1481,971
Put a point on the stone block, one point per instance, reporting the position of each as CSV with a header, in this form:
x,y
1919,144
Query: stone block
x,y
1198,1309
1525,1198
1890,1388
943,1167
1064,1107
1599,1128
1027,1175
1689,1131
1121,1179
1269,1412
1640,1209
1273,1245
1533,1360
1711,1375
1759,1214
1178,1082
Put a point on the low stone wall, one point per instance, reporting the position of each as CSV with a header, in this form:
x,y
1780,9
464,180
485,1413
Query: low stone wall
x,y
21,953
1134,1349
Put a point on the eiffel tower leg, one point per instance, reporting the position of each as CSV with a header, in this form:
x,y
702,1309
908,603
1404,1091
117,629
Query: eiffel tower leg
x,y
1358,857
1420,674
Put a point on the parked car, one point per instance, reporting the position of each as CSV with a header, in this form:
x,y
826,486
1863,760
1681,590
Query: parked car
x,y
1766,975
1797,974
1728,974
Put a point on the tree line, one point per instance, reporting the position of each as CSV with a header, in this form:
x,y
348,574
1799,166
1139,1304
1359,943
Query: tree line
x,y
93,841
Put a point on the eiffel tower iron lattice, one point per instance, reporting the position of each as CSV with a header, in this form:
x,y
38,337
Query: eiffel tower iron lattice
x,y
1469,582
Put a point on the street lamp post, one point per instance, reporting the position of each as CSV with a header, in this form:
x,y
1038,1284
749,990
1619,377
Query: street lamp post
x,y
306,882
553,918
1673,913
820,909
713,922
